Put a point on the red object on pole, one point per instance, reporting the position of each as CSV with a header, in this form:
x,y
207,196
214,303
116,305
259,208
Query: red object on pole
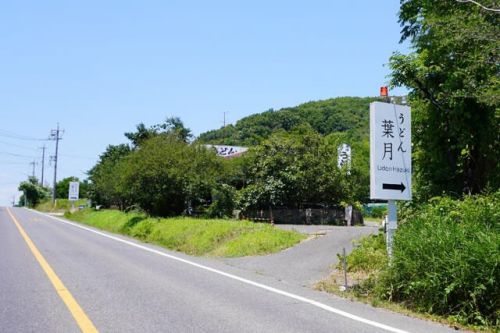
x,y
384,92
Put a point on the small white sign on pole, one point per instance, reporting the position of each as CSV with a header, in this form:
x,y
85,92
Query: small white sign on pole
x,y
390,151
74,189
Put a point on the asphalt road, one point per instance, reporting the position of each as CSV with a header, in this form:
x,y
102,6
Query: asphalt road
x,y
121,285
310,261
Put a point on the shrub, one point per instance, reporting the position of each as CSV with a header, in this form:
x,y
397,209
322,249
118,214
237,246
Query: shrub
x,y
446,260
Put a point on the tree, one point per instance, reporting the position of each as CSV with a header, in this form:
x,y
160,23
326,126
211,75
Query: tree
x,y
104,177
168,176
62,187
172,125
33,193
141,134
454,82
342,114
300,168
175,126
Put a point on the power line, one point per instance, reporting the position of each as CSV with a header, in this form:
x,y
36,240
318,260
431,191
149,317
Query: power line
x,y
12,135
12,163
17,146
16,155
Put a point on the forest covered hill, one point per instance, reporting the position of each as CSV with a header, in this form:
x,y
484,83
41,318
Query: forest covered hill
x,y
341,114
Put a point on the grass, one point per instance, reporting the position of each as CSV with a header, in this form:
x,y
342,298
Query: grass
x,y
445,265
364,265
214,237
61,205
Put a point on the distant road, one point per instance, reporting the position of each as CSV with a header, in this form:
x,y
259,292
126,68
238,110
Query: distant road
x,y
57,276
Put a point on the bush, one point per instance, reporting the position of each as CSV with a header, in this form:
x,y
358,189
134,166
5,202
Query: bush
x,y
446,260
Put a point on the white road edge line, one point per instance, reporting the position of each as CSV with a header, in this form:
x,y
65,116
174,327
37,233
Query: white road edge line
x,y
234,277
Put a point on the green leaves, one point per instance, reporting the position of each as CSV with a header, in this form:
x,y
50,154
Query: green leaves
x,y
33,193
453,77
342,114
300,167
167,176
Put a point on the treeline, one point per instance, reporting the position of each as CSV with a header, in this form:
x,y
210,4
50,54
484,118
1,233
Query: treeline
x,y
34,193
342,114
161,172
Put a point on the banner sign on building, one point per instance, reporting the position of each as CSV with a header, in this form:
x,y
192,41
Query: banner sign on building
x,y
390,151
228,151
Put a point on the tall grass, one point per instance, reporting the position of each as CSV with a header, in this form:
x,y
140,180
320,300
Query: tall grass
x,y
215,237
447,260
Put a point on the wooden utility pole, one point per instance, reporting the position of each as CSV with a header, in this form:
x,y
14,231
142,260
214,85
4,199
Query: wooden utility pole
x,y
43,163
55,135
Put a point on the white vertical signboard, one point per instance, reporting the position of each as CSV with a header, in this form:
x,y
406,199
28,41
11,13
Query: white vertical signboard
x,y
390,151
74,189
344,157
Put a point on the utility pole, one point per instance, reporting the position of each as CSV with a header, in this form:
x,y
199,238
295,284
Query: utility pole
x,y
55,135
14,200
43,163
33,164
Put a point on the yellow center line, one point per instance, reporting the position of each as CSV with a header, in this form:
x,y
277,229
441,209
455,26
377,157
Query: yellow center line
x,y
80,317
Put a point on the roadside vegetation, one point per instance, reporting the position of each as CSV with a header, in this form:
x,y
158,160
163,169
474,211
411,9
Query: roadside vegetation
x,y
35,195
61,205
446,262
164,174
214,237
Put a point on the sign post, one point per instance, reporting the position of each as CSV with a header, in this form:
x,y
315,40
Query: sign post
x,y
390,159
73,193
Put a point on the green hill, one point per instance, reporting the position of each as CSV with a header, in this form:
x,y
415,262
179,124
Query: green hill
x,y
341,114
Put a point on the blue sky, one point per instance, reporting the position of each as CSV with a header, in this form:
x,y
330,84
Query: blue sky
x,y
101,67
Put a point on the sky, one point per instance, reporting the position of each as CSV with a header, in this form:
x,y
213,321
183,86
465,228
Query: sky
x,y
98,68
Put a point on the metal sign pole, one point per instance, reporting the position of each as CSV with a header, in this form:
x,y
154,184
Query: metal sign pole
x,y
392,225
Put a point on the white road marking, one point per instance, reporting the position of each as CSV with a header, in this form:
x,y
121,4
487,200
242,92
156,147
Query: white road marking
x,y
237,278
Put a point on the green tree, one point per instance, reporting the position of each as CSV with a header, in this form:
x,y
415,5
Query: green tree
x,y
300,167
105,177
172,125
168,176
342,114
454,82
62,187
141,134
33,193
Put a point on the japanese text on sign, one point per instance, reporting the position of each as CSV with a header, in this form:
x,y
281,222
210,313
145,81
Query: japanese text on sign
x,y
390,151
